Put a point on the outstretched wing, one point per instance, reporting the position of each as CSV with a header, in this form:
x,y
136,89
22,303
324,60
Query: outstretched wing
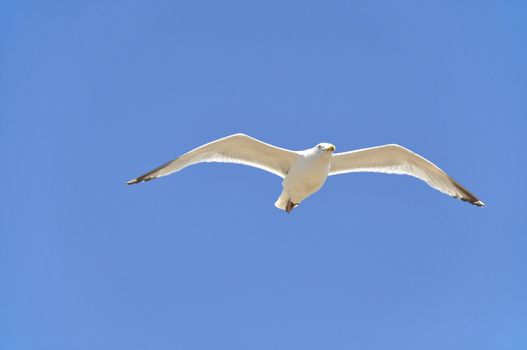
x,y
238,148
395,159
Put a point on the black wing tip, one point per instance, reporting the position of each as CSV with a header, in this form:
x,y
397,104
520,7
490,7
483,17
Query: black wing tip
x,y
465,195
473,201
140,179
133,182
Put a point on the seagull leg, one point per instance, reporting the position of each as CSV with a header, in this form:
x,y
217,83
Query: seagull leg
x,y
290,206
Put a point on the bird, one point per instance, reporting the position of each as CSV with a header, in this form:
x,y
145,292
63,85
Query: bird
x,y
305,172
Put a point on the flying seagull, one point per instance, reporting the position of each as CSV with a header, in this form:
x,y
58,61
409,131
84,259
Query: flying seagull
x,y
304,172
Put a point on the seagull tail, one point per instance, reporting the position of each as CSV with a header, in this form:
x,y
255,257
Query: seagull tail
x,y
281,202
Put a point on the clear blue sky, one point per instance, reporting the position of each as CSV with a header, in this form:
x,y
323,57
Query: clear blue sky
x,y
95,93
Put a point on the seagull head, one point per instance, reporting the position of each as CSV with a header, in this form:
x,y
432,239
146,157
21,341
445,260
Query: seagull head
x,y
325,148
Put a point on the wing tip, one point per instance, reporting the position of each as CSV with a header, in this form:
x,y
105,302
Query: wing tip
x,y
465,195
133,182
479,203
473,201
140,179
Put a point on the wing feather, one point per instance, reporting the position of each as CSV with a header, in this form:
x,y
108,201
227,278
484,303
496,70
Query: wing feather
x,y
395,159
238,148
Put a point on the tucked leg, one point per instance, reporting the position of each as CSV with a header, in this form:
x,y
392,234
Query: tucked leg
x,y
290,206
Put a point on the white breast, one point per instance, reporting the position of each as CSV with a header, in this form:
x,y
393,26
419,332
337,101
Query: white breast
x,y
307,176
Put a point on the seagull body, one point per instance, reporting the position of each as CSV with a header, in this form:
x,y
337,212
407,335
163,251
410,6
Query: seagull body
x,y
306,176
305,172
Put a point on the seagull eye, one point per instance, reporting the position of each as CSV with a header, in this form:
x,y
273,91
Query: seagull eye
x,y
319,146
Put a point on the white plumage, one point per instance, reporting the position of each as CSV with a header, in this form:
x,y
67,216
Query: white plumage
x,y
304,172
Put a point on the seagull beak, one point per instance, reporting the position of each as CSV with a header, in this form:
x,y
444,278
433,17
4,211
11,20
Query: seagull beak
x,y
330,149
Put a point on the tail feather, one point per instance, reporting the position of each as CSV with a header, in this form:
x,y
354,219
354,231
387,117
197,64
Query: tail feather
x,y
281,202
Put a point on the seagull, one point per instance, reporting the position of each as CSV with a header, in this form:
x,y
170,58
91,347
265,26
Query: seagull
x,y
305,172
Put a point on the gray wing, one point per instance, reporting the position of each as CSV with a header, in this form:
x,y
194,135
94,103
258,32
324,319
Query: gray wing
x,y
395,159
238,148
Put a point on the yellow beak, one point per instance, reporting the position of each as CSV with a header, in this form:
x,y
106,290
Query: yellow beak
x,y
330,148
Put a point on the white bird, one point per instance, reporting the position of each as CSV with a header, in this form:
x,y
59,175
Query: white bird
x,y
304,172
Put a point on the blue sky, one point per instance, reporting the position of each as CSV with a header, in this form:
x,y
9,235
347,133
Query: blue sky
x,y
95,93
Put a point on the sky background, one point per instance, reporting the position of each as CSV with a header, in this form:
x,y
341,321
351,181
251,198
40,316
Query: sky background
x,y
93,94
